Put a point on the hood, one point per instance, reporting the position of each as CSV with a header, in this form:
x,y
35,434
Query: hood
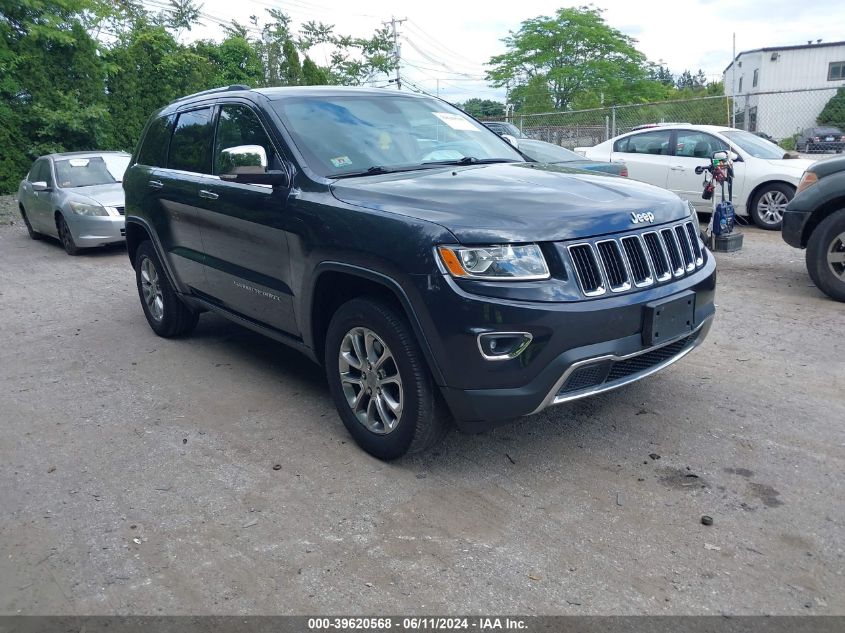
x,y
796,164
108,195
513,202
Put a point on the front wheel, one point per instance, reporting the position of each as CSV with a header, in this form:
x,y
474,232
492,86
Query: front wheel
x,y
65,236
768,205
165,312
379,381
826,256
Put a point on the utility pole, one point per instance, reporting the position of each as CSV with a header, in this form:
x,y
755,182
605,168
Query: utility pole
x,y
397,51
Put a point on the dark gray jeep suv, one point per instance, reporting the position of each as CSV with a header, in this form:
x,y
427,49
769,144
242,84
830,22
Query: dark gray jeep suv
x,y
434,271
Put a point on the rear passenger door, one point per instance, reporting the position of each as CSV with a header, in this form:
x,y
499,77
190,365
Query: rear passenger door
x,y
647,155
244,228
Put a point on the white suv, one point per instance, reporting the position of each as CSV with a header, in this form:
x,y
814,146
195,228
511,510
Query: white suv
x,y
666,156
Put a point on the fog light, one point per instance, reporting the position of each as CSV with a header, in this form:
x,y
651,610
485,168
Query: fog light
x,y
503,345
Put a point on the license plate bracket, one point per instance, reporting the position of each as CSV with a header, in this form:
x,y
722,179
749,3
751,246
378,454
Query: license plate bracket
x,y
669,318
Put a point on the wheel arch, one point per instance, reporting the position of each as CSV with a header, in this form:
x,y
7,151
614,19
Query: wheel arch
x,y
822,212
336,283
753,194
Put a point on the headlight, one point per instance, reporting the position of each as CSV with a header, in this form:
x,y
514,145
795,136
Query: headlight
x,y
520,263
808,179
84,208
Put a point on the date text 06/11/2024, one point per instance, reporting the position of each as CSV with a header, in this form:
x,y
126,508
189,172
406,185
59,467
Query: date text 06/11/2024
x,y
417,623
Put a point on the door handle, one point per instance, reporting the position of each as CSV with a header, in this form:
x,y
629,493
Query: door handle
x,y
155,184
208,195
677,168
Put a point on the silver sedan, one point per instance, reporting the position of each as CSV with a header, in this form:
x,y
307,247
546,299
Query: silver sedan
x,y
76,197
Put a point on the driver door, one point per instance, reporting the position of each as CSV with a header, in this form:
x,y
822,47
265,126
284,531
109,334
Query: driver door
x,y
39,207
693,149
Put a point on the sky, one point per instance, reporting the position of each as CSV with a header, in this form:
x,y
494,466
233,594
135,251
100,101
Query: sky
x,y
446,43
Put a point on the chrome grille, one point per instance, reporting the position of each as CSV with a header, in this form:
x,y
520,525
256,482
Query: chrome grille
x,y
587,269
619,264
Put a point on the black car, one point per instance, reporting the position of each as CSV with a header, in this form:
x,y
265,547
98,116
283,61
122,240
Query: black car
x,y
820,139
429,267
815,219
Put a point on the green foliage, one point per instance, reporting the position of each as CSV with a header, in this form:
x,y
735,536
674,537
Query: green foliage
x,y
483,108
790,142
833,112
573,52
62,88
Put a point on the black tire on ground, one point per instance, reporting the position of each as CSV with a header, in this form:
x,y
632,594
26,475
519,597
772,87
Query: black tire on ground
x,y
828,242
764,196
33,234
167,315
65,236
424,418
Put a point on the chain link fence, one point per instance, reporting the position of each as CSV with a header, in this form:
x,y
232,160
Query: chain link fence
x,y
780,115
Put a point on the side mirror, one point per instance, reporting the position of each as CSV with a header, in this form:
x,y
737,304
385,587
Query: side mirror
x,y
40,186
248,164
720,155
511,139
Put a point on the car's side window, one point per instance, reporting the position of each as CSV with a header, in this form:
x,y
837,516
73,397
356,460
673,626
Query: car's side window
x,y
36,173
239,125
190,145
691,144
656,142
153,150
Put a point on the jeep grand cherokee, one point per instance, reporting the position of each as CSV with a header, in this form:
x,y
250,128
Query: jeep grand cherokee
x,y
434,271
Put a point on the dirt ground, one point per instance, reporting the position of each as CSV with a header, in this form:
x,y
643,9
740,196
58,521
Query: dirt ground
x,y
137,474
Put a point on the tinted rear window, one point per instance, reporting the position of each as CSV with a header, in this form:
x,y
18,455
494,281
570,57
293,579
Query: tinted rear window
x,y
153,150
190,146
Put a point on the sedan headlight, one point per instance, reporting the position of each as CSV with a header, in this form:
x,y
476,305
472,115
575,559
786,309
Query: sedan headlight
x,y
502,262
85,208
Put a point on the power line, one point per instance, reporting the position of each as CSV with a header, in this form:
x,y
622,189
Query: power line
x,y
436,44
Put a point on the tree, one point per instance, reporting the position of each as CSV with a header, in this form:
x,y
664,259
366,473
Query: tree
x,y
833,112
572,52
483,108
533,97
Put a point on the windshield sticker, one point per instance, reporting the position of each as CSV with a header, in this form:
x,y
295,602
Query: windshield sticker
x,y
78,162
456,121
341,161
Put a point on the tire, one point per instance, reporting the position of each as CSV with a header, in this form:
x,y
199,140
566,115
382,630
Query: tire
x,y
66,237
828,242
768,204
167,315
33,234
404,380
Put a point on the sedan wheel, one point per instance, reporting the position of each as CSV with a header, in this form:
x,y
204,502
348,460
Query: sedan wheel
x,y
769,205
66,237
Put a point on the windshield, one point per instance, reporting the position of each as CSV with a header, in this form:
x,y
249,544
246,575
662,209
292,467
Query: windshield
x,y
350,134
754,145
548,153
91,170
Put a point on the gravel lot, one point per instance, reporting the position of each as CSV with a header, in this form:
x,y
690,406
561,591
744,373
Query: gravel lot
x,y
136,474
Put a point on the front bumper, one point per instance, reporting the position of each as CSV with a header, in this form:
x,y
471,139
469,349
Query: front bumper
x,y
792,229
89,231
579,348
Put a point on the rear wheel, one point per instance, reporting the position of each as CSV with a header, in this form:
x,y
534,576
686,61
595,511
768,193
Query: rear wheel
x,y
33,234
826,256
769,203
167,315
379,381
65,236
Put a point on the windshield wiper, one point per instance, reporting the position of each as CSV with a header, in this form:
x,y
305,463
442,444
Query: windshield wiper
x,y
375,170
472,160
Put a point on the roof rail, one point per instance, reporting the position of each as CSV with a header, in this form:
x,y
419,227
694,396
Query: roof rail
x,y
213,90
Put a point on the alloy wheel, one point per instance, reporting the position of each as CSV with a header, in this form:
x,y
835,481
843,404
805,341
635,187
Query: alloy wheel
x,y
836,256
150,286
771,205
370,380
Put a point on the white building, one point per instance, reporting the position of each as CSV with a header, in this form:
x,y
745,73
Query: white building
x,y
813,71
